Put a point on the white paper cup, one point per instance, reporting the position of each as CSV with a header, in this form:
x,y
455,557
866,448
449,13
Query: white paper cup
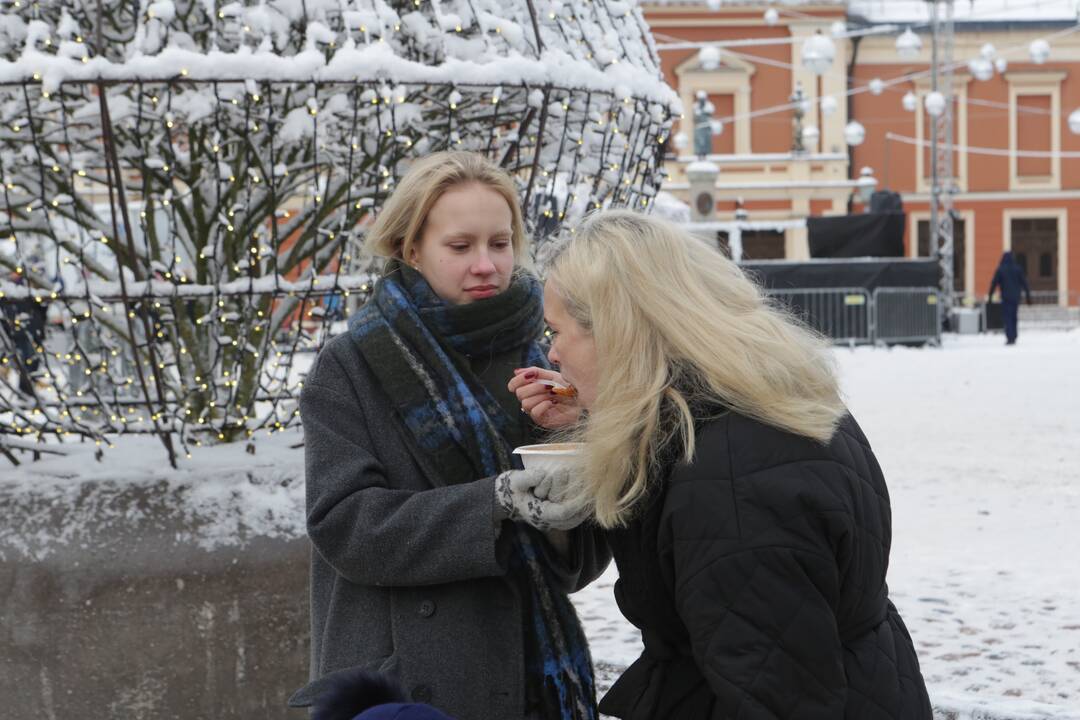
x,y
551,455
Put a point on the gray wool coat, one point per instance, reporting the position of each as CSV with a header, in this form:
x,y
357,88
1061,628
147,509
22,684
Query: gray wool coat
x,y
408,574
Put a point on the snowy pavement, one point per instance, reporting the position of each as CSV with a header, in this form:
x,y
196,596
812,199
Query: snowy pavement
x,y
980,444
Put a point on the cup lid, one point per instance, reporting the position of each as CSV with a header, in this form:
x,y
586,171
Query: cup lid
x,y
550,449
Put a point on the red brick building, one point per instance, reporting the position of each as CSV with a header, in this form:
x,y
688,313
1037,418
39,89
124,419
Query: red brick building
x,y
1017,164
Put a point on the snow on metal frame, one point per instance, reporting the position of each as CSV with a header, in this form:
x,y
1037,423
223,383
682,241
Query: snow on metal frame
x,y
601,45
253,143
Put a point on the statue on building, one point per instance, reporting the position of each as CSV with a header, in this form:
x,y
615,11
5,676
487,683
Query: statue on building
x,y
798,102
704,125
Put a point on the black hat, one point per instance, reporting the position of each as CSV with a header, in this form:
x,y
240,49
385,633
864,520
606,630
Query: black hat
x,y
364,695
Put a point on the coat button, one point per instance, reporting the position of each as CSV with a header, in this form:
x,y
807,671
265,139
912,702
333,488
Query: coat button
x,y
421,693
427,608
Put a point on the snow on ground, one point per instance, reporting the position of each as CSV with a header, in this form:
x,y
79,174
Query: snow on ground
x,y
980,444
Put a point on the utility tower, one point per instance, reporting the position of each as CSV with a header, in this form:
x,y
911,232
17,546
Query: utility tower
x,y
943,184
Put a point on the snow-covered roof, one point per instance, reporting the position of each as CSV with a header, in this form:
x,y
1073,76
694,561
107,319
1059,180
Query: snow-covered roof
x,y
913,11
965,11
763,4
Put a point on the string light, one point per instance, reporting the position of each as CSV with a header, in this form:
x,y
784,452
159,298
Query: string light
x,y
203,305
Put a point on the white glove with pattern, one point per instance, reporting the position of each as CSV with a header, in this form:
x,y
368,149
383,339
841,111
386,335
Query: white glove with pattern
x,y
538,497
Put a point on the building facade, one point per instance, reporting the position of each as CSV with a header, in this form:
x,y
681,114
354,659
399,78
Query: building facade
x,y
1016,163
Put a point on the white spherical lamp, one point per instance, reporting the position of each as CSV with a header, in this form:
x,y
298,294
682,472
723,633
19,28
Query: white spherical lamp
x,y
818,52
828,105
1001,65
772,16
854,133
681,141
910,101
908,45
935,104
838,29
810,135
988,51
981,69
1074,121
1040,51
877,86
709,58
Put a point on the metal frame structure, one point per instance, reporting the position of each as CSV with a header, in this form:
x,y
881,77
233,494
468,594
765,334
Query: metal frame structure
x,y
190,223
942,181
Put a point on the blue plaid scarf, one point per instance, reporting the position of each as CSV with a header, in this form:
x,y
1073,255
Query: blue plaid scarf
x,y
418,346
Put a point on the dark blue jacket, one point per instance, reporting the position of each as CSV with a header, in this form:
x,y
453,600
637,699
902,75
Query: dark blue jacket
x,y
1010,278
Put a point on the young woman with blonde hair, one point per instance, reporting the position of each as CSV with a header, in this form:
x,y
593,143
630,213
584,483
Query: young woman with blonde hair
x,y
748,517
421,568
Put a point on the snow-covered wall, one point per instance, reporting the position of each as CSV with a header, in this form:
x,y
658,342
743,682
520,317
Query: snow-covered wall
x,y
130,592
217,499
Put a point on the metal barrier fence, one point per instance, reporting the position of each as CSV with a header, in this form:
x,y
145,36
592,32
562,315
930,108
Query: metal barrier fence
x,y
1048,310
855,316
1048,318
1053,297
843,314
907,315
1039,298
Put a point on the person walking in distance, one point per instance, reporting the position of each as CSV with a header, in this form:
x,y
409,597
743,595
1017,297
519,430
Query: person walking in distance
x,y
1010,278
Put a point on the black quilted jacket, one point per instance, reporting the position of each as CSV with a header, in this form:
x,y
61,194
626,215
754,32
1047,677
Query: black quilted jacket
x,y
757,577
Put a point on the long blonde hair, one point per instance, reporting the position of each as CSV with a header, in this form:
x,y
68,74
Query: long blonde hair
x,y
676,322
401,221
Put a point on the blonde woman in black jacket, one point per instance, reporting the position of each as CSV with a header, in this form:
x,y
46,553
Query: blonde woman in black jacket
x,y
747,514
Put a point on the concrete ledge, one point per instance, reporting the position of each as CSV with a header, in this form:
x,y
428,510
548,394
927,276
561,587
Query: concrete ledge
x,y
153,598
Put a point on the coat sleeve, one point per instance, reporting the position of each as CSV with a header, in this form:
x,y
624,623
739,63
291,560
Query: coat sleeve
x,y
755,603
367,530
587,557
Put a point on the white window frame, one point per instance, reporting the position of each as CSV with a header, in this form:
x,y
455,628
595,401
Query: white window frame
x,y
731,78
1062,217
1035,83
922,133
968,216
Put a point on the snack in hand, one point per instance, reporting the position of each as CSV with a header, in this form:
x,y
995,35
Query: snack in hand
x,y
566,391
